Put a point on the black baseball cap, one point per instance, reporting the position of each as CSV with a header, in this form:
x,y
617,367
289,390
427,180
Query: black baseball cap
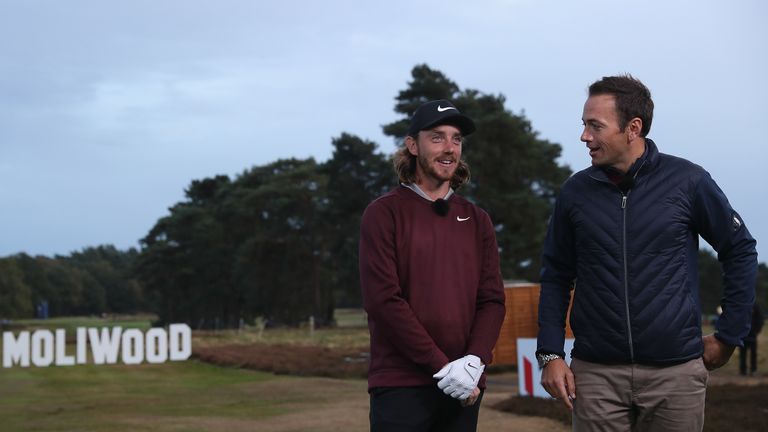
x,y
439,112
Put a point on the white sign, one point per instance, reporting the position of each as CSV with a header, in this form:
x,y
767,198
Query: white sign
x,y
49,347
529,375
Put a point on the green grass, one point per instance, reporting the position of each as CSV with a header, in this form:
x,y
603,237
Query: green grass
x,y
165,397
351,318
331,338
190,395
106,398
351,332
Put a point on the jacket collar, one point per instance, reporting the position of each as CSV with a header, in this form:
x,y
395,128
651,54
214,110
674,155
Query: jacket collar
x,y
642,166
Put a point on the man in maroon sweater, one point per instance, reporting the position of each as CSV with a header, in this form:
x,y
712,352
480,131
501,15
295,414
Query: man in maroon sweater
x,y
429,271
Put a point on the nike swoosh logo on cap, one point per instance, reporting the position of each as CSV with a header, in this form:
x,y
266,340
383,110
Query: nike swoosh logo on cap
x,y
441,109
461,219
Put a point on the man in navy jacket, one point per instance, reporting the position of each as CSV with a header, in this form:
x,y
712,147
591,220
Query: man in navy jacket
x,y
624,237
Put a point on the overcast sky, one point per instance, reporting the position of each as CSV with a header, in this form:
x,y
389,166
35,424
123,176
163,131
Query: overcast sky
x,y
109,109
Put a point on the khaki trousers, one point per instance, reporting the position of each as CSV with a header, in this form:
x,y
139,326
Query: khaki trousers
x,y
639,398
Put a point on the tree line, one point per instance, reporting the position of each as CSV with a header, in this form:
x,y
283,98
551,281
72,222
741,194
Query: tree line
x,y
279,241
93,281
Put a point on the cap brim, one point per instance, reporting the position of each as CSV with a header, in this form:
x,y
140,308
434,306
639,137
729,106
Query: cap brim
x,y
464,123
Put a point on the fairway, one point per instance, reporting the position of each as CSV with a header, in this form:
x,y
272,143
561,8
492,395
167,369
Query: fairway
x,y
185,396
125,398
197,396
179,396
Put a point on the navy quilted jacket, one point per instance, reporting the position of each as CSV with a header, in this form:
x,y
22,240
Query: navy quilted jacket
x,y
632,258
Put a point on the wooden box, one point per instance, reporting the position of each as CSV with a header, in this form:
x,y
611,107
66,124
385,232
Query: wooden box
x,y
521,320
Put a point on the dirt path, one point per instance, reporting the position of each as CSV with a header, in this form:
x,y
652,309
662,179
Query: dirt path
x,y
345,408
341,405
330,405
347,411
492,420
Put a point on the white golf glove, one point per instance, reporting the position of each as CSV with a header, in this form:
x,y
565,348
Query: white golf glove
x,y
459,377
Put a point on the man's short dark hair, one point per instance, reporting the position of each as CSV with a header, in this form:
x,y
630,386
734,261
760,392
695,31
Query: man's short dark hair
x,y
633,99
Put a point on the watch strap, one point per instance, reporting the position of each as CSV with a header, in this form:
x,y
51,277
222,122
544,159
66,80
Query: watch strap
x,y
545,358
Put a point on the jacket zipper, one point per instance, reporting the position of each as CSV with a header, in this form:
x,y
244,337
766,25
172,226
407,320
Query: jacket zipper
x,y
626,272
624,197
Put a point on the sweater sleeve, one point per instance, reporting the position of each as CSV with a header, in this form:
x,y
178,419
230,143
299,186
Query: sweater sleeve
x,y
558,273
726,232
387,310
490,307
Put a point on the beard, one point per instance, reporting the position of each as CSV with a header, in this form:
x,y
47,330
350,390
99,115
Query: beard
x,y
440,175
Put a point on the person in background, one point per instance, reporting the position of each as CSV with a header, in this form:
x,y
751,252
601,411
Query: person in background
x,y
750,342
623,237
431,284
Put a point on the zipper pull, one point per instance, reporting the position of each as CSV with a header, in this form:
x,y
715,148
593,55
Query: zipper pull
x,y
623,201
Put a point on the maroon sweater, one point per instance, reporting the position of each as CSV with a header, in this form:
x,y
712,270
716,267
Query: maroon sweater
x,y
431,286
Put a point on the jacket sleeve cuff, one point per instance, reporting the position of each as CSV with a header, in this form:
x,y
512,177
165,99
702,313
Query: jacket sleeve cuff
x,y
551,341
731,341
438,361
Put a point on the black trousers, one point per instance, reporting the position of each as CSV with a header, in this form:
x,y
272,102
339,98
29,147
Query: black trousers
x,y
420,409
750,346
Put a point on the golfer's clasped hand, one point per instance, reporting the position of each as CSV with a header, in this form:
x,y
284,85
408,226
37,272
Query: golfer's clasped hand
x,y
459,378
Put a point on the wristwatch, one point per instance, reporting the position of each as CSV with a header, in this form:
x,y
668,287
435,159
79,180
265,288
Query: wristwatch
x,y
546,358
